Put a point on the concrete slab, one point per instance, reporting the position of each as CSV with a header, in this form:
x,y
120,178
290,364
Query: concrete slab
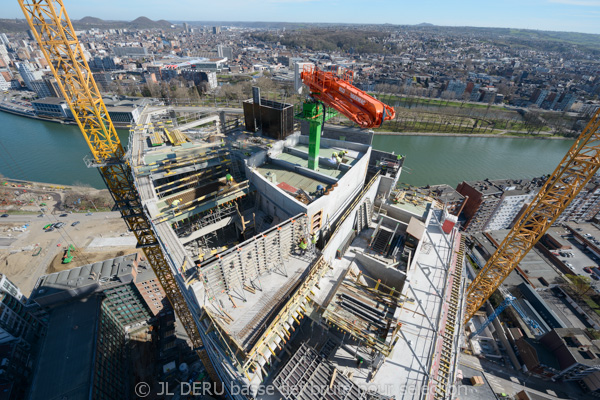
x,y
291,178
118,241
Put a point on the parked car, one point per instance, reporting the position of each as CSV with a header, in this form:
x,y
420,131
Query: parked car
x,y
588,270
594,277
4,215
89,214
50,229
64,215
59,225
75,223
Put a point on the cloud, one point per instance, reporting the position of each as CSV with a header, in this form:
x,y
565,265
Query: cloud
x,y
586,3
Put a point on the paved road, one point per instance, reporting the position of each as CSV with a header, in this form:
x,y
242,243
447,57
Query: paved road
x,y
70,218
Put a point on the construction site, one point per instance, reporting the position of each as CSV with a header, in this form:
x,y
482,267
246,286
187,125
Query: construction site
x,y
291,256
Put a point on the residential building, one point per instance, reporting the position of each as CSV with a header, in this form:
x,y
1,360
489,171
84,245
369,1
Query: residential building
x,y
152,292
130,51
513,199
3,84
225,51
17,321
457,87
493,205
483,198
585,205
578,356
40,88
538,360
15,370
4,39
7,286
191,74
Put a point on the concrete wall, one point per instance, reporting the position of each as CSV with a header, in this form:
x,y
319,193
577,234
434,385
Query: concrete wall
x,y
274,201
389,275
347,187
337,143
336,241
337,132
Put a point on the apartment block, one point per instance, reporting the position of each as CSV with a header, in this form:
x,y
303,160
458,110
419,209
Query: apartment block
x,y
493,205
17,321
585,205
151,291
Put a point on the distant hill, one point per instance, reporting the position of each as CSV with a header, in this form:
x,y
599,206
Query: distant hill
x,y
90,20
13,25
138,23
147,23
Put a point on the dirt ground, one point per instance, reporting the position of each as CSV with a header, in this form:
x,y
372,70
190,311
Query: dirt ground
x,y
22,268
83,257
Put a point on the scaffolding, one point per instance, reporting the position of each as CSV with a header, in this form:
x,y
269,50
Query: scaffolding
x,y
307,375
443,379
241,266
365,311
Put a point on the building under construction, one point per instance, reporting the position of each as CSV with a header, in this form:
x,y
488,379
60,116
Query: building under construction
x,y
368,311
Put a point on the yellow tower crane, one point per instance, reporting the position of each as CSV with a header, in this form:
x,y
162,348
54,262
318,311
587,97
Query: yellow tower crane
x,y
54,33
572,174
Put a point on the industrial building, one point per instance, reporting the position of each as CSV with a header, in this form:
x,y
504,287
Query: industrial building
x,y
370,308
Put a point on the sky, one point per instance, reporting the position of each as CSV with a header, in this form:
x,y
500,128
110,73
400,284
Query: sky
x,y
553,15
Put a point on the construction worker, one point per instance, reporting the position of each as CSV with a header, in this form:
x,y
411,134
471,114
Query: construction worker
x,y
313,242
229,179
320,190
338,160
303,246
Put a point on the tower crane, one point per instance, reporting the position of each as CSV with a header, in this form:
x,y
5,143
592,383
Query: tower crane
x,y
56,37
578,166
327,89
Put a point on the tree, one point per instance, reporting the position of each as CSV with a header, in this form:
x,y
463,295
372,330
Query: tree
x,y
581,284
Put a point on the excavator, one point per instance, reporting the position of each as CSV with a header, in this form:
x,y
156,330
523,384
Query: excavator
x,y
68,257
328,89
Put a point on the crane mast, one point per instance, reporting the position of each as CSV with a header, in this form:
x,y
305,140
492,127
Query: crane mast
x,y
575,170
56,37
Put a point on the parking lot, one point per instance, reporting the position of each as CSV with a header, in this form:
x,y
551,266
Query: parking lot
x,y
576,255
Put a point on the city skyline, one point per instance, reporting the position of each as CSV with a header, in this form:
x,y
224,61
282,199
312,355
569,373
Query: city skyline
x,y
553,15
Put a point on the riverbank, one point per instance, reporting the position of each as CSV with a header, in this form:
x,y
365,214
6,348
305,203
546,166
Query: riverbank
x,y
483,135
22,112
21,197
28,114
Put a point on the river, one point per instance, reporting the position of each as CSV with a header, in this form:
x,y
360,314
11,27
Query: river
x,y
53,153
432,160
46,152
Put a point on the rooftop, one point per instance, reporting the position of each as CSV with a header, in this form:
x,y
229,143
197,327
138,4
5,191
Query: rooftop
x,y
66,359
86,279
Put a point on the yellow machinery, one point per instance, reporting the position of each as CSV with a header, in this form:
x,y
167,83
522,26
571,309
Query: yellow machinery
x,y
54,33
572,174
